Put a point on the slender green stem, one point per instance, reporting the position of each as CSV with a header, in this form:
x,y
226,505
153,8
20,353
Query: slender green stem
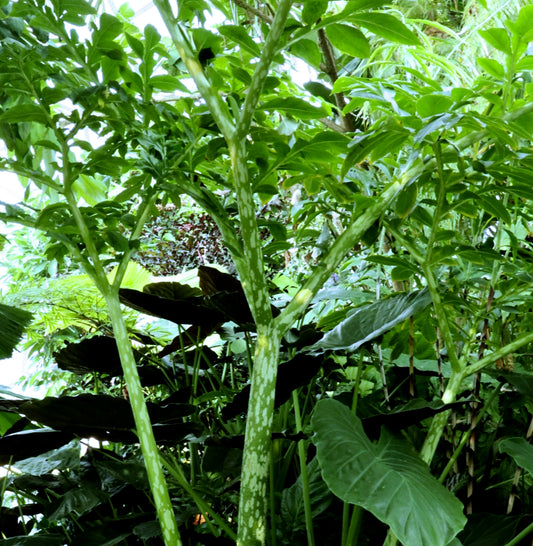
x,y
216,105
442,319
439,421
511,347
163,504
302,454
142,217
340,248
204,507
466,435
521,536
355,526
143,424
261,70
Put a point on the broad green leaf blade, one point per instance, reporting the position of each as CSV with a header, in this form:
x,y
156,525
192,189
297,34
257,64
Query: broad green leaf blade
x,y
13,322
520,450
388,478
66,457
349,40
386,26
370,321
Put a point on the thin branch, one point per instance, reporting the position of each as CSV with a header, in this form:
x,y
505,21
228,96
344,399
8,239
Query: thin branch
x,y
261,69
253,11
330,68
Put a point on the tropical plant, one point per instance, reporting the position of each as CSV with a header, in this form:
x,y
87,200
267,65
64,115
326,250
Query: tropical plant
x,y
396,192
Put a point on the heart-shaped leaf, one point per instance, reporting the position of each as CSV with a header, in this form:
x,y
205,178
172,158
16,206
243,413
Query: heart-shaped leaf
x,y
388,478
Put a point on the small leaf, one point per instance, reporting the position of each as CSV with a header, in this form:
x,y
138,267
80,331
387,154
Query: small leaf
x,y
308,51
387,26
497,38
298,108
406,201
349,40
388,478
313,10
13,322
433,105
491,67
240,36
24,112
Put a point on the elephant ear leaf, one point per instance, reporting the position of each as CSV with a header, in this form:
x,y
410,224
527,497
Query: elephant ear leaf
x,y
13,322
388,478
370,321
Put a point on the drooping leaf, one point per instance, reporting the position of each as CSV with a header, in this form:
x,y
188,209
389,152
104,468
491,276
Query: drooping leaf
x,y
29,443
62,458
368,322
13,322
100,354
349,40
291,375
292,498
102,416
388,478
520,450
387,26
212,280
78,500
185,311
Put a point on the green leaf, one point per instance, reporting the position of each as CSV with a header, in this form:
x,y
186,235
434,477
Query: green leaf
x,y
491,67
298,108
388,478
90,188
387,26
495,207
110,28
292,498
308,51
406,200
167,83
13,322
313,10
63,458
240,36
497,38
24,112
520,450
349,40
368,322
78,500
433,105
521,27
